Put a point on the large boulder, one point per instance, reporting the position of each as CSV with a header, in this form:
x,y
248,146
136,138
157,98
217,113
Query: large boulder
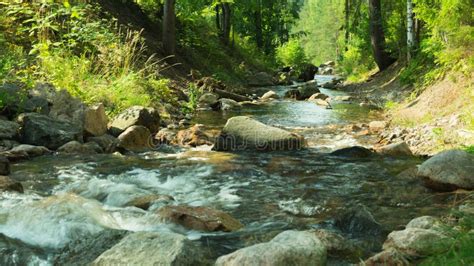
x,y
136,116
287,248
7,184
260,79
193,136
245,133
208,101
303,91
29,150
308,72
4,166
42,130
448,170
8,129
95,120
200,218
135,138
418,241
153,248
108,143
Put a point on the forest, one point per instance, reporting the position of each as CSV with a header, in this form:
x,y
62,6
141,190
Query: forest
x,y
236,132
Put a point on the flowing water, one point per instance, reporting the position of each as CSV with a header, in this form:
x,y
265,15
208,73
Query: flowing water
x,y
267,192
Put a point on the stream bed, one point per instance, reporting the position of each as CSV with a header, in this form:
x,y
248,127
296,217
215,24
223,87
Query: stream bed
x,y
267,192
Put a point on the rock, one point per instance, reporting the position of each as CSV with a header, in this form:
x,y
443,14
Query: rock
x,y
377,126
16,252
7,144
344,98
423,222
326,71
136,116
4,166
269,96
260,79
228,104
303,91
448,171
318,96
418,242
95,120
244,133
208,101
165,136
75,147
41,130
396,149
321,102
287,248
330,63
30,150
153,248
336,244
293,94
308,72
200,218
84,251
388,257
358,221
107,143
135,138
6,184
8,129
144,202
353,152
193,136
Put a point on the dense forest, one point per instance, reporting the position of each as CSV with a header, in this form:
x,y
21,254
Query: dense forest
x,y
236,132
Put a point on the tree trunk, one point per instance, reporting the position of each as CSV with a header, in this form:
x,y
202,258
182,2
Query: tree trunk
x,y
377,37
218,18
410,30
347,17
169,27
258,24
226,26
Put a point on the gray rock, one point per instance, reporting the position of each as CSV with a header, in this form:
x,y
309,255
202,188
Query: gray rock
x,y
303,91
423,222
353,152
287,248
95,120
8,129
396,149
418,242
41,130
269,95
208,100
358,221
228,104
136,116
153,248
4,166
336,245
30,150
448,170
75,147
135,138
165,136
244,133
7,184
318,95
107,142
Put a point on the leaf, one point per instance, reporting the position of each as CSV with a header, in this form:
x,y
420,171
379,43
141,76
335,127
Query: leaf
x,y
66,4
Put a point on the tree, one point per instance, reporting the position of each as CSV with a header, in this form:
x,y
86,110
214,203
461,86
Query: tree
x,y
377,36
223,21
169,27
410,29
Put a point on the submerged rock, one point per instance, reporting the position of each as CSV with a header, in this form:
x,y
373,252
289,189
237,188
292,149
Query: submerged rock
x,y
15,252
287,248
200,218
353,152
144,202
7,184
136,116
448,170
41,130
358,221
153,248
135,138
95,120
245,133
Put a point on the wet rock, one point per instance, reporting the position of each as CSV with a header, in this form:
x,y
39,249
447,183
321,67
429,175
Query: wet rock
x,y
75,147
200,218
321,102
418,242
260,79
353,152
165,136
448,171
269,96
194,136
144,202
8,129
287,248
153,248
84,251
4,166
318,96
244,133
15,252
208,101
135,138
29,150
396,149
358,221
95,120
308,72
326,70
303,91
377,126
107,143
7,144
300,208
388,257
228,104
41,130
136,116
293,94
336,245
7,184
423,222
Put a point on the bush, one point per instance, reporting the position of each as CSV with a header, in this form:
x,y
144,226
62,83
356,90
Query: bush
x,y
291,54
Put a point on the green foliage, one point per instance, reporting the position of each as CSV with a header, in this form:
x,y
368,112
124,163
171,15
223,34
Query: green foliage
x,y
469,149
194,93
291,54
